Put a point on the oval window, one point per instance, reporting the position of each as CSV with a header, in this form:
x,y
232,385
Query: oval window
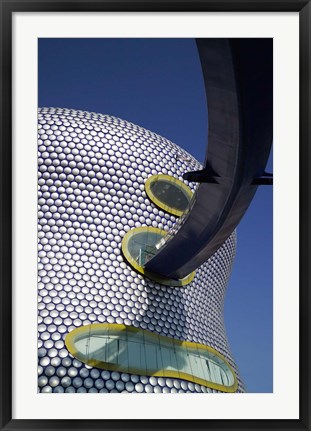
x,y
139,245
129,349
168,193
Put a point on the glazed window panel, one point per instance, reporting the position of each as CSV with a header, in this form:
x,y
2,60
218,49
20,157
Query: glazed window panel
x,y
151,357
194,364
128,349
166,359
141,244
169,193
173,360
202,365
123,354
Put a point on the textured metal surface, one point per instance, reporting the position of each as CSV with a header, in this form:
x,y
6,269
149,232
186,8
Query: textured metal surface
x,y
92,174
238,75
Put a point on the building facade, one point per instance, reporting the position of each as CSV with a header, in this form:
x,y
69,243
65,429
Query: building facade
x,y
108,192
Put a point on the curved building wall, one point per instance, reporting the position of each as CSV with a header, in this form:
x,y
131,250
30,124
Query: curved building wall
x,y
92,174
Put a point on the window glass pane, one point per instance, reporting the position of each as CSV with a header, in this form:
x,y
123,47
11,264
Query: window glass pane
x,y
195,365
151,358
139,351
170,194
183,361
134,356
123,356
166,359
173,360
141,246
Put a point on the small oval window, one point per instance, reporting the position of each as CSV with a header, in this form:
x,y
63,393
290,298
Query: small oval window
x,y
169,193
141,244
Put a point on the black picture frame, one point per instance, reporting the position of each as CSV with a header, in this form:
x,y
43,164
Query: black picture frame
x,y
8,7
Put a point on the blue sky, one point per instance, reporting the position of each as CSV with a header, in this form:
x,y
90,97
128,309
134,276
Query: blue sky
x,y
158,84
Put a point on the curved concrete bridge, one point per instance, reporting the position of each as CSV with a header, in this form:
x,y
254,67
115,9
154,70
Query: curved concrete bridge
x,y
238,75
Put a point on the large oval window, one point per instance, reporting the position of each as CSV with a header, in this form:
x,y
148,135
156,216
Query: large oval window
x,y
168,193
139,245
133,350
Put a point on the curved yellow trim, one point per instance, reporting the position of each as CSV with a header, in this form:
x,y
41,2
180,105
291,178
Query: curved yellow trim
x,y
99,327
155,277
157,201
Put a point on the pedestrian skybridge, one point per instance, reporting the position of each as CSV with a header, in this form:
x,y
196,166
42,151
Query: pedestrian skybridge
x,y
238,76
